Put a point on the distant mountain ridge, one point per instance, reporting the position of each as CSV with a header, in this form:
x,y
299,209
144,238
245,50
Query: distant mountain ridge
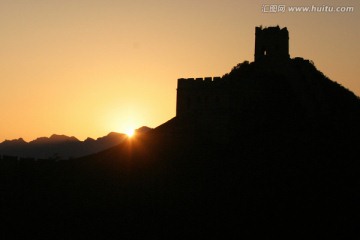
x,y
61,146
54,138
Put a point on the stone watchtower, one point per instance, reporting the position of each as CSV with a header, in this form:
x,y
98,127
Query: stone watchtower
x,y
271,43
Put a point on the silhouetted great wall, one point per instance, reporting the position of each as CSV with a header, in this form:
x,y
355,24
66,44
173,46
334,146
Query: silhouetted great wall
x,y
209,95
265,91
270,148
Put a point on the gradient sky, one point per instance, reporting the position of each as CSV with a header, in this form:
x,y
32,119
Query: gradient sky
x,y
87,67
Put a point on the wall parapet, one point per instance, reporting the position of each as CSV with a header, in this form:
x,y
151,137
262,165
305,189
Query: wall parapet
x,y
194,82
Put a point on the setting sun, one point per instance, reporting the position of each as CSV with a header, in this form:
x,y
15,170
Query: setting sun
x,y
130,132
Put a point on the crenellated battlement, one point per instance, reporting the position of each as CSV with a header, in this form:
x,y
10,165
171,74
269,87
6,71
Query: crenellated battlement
x,y
198,96
196,82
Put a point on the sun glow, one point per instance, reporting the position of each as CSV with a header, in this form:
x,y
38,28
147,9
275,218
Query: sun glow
x,y
130,132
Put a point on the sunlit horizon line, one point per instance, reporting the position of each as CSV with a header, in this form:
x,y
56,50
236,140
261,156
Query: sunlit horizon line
x,y
82,139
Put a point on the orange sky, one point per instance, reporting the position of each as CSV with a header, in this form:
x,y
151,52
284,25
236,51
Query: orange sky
x,y
87,67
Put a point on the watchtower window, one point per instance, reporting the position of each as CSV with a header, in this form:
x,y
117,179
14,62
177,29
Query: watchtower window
x,y
263,51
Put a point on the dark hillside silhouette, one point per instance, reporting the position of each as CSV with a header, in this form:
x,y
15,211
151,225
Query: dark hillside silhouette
x,y
269,148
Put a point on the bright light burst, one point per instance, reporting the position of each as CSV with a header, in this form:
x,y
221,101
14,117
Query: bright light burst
x,y
130,132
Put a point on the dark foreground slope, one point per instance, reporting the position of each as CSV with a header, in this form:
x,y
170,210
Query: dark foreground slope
x,y
286,162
